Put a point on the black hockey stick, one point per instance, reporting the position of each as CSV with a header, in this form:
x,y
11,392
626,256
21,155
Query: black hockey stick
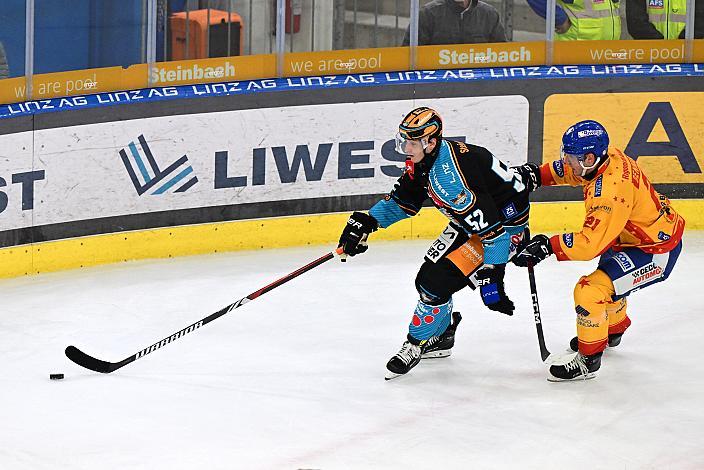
x,y
105,367
544,353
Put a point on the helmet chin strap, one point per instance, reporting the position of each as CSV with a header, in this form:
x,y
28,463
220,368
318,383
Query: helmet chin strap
x,y
587,169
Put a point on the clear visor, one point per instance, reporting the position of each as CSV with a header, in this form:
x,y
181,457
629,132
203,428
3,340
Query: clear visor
x,y
408,146
572,160
564,156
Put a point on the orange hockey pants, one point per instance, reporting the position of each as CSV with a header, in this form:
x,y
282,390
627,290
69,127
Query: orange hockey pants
x,y
597,315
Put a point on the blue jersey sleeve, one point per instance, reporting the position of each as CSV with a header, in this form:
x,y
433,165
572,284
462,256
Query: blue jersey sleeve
x,y
387,212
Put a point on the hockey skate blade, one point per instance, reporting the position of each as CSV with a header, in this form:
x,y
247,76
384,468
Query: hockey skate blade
x,y
436,354
392,375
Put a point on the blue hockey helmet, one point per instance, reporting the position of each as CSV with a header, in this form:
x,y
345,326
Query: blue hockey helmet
x,y
583,138
586,137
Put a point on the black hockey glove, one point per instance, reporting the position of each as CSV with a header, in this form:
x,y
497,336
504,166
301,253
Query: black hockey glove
x,y
530,175
491,286
537,249
354,237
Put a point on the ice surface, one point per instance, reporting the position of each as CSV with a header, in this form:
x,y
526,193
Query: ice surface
x,y
295,379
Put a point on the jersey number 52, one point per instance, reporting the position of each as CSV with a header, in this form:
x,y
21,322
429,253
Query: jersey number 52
x,y
475,220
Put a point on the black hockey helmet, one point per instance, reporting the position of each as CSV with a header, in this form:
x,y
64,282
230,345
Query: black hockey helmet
x,y
421,124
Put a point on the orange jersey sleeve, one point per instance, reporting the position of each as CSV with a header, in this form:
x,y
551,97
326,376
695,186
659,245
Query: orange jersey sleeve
x,y
556,173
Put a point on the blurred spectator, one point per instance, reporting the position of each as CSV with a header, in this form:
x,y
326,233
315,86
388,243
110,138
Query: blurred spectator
x,y
662,19
458,22
585,20
4,70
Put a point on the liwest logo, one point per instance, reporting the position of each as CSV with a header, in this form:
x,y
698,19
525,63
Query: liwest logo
x,y
152,176
26,181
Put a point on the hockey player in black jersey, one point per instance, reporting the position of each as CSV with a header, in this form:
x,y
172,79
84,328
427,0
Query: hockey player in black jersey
x,y
487,204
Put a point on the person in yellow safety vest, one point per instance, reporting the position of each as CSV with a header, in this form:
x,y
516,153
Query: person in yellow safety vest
x,y
661,19
586,20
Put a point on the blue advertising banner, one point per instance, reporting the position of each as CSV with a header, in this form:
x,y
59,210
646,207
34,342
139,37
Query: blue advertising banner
x,y
347,81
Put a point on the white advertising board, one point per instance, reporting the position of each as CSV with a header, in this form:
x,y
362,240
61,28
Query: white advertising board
x,y
234,157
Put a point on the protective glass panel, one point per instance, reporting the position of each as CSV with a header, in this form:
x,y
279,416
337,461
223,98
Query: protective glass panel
x,y
372,23
13,85
193,29
524,21
12,38
345,36
476,33
698,19
88,34
328,25
487,21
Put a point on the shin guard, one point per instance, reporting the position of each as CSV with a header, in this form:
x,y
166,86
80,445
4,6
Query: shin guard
x,y
428,321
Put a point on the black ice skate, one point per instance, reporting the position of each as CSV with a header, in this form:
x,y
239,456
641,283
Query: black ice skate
x,y
404,360
441,346
614,340
579,368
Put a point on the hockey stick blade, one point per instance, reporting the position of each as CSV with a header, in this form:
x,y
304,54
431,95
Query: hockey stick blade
x,y
104,367
89,362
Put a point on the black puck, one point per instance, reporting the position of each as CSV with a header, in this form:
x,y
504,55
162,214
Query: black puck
x,y
56,376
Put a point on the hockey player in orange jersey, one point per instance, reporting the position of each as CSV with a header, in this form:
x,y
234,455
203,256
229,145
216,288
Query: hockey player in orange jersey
x,y
633,229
